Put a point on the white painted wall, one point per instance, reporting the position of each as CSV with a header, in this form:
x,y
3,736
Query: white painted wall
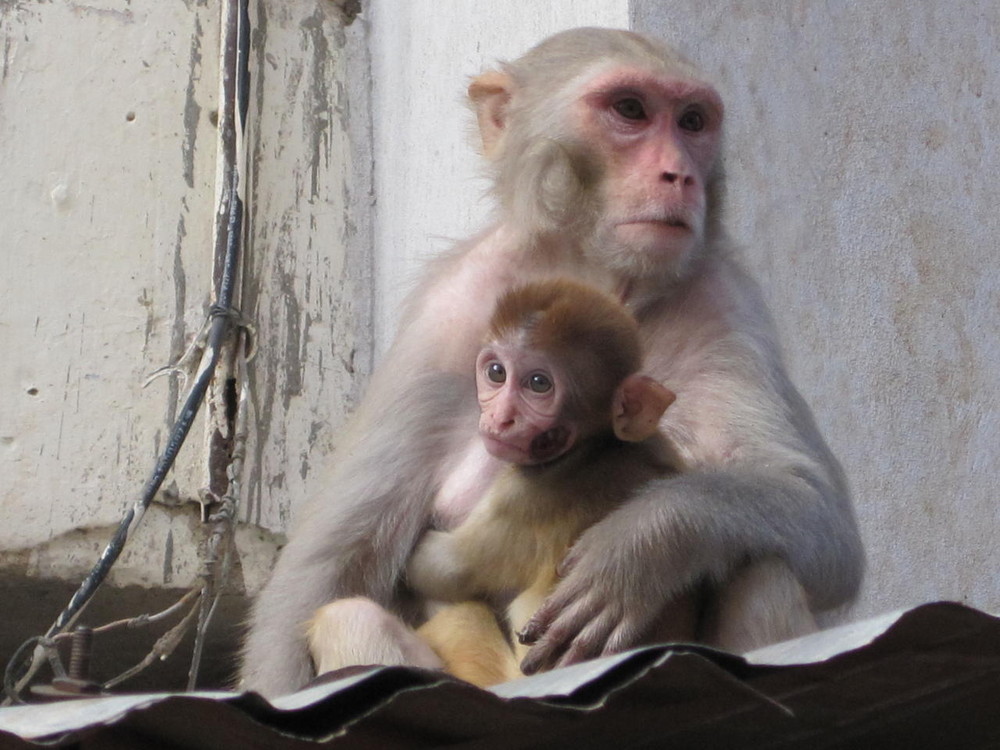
x,y
429,190
863,149
861,155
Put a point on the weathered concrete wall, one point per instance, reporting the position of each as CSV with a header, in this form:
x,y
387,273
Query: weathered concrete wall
x,y
108,152
863,149
309,282
108,157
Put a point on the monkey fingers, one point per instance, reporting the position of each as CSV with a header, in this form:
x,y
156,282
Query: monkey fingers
x,y
595,610
600,637
586,629
552,630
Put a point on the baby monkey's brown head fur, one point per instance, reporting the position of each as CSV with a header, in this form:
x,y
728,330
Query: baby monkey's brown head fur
x,y
560,365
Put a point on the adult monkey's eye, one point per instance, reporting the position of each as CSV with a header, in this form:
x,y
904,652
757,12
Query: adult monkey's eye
x,y
539,383
496,373
692,121
630,108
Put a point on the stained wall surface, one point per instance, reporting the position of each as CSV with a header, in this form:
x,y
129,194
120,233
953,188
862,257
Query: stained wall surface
x,y
108,145
861,157
108,158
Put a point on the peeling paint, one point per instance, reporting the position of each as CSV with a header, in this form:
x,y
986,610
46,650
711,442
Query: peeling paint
x,y
178,330
302,269
317,113
192,110
8,44
168,559
350,9
123,16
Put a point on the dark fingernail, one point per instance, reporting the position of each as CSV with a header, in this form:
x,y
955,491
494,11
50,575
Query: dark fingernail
x,y
527,636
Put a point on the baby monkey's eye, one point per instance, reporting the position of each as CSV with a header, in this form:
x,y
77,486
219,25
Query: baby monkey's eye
x,y
539,383
496,373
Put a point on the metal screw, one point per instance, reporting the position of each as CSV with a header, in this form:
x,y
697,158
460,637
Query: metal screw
x,y
79,655
76,683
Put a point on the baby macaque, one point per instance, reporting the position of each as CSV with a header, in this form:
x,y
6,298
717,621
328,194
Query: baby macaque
x,y
563,403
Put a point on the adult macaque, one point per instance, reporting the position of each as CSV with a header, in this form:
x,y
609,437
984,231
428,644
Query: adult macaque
x,y
605,149
561,400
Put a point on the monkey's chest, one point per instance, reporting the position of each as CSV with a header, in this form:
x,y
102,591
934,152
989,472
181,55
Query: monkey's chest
x,y
465,483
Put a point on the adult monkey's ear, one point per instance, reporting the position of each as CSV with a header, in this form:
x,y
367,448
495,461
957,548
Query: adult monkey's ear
x,y
490,95
638,405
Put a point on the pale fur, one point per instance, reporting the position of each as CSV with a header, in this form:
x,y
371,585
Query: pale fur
x,y
337,627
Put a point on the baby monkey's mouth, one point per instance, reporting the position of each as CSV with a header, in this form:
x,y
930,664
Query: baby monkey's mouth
x,y
549,444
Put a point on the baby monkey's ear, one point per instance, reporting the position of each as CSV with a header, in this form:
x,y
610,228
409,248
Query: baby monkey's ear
x,y
637,407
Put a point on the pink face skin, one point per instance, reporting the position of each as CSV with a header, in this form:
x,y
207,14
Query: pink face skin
x,y
659,139
521,400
